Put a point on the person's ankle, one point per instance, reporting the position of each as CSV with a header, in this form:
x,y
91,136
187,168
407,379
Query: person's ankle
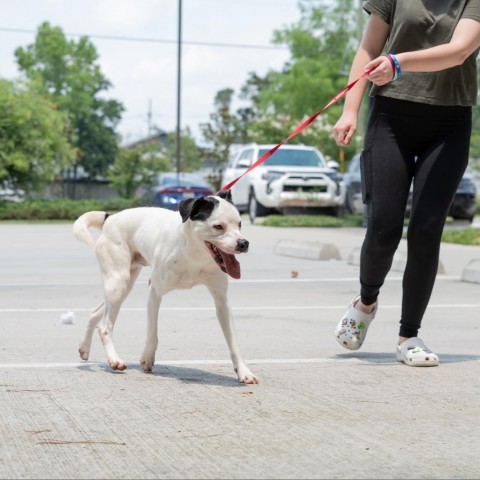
x,y
402,339
365,308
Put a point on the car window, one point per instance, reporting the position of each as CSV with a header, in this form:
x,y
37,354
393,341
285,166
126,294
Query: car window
x,y
184,181
354,166
292,157
246,155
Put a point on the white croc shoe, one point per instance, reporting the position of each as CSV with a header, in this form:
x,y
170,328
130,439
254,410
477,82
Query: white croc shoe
x,y
352,328
414,353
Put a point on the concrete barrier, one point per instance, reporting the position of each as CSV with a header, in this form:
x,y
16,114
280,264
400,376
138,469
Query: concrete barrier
x,y
398,264
308,250
471,273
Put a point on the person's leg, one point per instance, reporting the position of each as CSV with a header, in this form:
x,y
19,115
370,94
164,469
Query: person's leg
x,y
387,171
438,172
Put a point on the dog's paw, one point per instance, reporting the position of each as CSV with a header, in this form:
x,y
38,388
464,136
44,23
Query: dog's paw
x,y
249,379
147,362
246,376
83,351
117,364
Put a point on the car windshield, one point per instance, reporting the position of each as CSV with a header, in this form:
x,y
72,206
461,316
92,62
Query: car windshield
x,y
183,181
293,157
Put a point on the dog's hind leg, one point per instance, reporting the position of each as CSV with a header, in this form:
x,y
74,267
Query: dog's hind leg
x,y
147,360
224,315
95,318
117,286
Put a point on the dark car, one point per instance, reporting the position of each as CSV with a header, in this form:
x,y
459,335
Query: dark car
x,y
353,197
463,206
171,188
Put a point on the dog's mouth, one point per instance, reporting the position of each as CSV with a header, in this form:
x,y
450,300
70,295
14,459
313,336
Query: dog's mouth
x,y
226,261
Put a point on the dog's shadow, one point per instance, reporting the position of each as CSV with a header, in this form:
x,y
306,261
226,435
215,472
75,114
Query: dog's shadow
x,y
185,375
389,358
193,375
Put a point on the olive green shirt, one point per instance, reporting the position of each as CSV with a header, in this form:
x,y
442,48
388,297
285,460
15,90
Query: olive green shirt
x,y
421,24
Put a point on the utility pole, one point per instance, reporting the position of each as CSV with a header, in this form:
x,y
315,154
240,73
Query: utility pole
x,y
360,20
179,89
149,118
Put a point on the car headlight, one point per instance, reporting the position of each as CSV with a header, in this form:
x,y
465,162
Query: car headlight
x,y
337,178
271,176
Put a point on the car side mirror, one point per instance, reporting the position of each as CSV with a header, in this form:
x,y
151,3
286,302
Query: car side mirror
x,y
243,164
333,164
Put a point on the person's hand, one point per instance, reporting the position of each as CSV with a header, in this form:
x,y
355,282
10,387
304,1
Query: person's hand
x,y
344,129
383,71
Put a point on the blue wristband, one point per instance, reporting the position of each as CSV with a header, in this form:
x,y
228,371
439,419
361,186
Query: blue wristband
x,y
398,70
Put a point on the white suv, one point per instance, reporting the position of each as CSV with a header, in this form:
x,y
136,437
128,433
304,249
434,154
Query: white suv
x,y
295,176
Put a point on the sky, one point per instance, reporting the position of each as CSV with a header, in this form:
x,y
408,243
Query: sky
x,y
141,59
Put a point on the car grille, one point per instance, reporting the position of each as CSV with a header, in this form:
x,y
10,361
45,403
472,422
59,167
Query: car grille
x,y
305,188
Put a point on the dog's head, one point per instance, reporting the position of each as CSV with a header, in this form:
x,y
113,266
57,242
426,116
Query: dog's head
x,y
217,222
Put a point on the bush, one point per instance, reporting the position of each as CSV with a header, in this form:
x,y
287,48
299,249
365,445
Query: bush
x,y
60,209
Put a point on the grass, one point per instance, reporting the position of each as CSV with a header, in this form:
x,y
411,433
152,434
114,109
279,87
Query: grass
x,y
57,210
467,236
324,221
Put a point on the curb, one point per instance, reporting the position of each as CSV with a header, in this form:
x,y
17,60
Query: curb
x,y
308,250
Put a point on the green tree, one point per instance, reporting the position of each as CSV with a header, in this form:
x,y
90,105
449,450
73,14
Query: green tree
x,y
191,155
68,72
220,131
322,47
33,142
134,168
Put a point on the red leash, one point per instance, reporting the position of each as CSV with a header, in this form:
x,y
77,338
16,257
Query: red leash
x,y
300,128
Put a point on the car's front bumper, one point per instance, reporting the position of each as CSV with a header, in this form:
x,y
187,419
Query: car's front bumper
x,y
294,191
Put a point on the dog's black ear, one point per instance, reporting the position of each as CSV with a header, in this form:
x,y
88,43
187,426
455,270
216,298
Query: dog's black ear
x,y
185,208
199,209
226,195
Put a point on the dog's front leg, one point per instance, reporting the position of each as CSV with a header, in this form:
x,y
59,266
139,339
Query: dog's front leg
x,y
224,316
147,360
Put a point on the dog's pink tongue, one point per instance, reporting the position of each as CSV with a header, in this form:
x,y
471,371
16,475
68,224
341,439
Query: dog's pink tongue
x,y
231,264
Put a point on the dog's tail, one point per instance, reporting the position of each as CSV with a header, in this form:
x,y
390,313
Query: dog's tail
x,y
86,221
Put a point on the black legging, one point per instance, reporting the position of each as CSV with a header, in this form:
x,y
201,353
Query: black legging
x,y
407,141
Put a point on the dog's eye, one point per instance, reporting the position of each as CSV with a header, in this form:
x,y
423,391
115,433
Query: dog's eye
x,y
218,227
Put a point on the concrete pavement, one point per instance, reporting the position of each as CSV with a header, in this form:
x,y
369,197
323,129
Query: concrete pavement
x,y
319,412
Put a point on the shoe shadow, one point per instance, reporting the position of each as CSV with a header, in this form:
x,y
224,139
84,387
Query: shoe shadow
x,y
370,357
387,358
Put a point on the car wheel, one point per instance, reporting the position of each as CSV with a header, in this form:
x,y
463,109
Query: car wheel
x,y
469,219
349,203
337,211
255,208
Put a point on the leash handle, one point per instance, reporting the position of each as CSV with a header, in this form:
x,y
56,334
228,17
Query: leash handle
x,y
299,129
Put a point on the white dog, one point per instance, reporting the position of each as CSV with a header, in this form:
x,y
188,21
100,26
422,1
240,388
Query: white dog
x,y
195,246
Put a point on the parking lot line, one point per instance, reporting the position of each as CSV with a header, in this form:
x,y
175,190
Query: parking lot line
x,y
236,308
263,361
247,281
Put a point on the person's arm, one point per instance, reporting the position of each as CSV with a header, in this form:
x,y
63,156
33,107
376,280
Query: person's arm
x,y
465,40
372,44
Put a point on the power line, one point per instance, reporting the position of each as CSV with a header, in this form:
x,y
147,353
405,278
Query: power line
x,y
151,40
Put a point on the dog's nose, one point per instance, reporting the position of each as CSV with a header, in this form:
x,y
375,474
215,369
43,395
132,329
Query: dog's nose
x,y
242,245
